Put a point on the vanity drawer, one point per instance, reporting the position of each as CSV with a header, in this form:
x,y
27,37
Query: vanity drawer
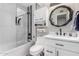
x,y
45,41
49,42
67,45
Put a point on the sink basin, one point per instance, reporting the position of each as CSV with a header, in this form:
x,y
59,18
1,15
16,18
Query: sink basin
x,y
74,39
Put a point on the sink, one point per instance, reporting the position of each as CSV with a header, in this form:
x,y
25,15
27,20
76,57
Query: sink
x,y
75,39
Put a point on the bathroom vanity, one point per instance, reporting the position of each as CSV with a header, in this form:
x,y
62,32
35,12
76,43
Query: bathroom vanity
x,y
61,46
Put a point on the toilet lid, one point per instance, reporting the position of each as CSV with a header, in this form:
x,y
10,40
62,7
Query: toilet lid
x,y
36,49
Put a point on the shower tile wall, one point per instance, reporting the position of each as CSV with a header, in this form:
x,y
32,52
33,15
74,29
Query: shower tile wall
x,y
10,34
21,34
7,26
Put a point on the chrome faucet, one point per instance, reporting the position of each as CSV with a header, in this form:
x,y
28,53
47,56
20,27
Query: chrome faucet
x,y
60,31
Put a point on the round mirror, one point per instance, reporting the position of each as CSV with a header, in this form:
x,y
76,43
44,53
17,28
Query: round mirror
x,y
61,16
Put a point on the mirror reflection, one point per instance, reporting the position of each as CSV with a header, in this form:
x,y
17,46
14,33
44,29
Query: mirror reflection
x,y
60,16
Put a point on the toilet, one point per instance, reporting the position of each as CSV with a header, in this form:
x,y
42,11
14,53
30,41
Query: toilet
x,y
37,49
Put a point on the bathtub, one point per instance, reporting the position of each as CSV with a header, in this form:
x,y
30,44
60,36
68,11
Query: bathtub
x,y
22,50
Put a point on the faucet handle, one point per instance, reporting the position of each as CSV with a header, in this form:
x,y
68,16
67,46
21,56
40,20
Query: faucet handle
x,y
64,34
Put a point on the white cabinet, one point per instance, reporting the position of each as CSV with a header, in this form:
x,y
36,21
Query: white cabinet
x,y
61,48
62,52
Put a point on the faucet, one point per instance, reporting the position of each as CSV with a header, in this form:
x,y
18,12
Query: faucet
x,y
60,31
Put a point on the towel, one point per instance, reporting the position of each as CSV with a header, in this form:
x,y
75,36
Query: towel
x,y
76,21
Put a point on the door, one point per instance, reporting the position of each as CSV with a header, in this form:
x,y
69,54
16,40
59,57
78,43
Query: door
x,y
62,52
49,51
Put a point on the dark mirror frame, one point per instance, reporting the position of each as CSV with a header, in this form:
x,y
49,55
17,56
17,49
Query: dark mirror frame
x,y
70,15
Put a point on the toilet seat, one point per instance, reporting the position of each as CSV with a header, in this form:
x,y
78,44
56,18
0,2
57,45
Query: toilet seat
x,y
36,49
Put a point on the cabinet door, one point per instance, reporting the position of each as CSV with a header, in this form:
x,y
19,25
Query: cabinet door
x,y
62,52
49,51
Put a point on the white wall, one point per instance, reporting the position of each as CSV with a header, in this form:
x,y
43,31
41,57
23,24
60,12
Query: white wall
x,y
7,26
66,28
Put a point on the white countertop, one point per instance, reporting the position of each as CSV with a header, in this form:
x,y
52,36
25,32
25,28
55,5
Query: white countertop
x,y
64,38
